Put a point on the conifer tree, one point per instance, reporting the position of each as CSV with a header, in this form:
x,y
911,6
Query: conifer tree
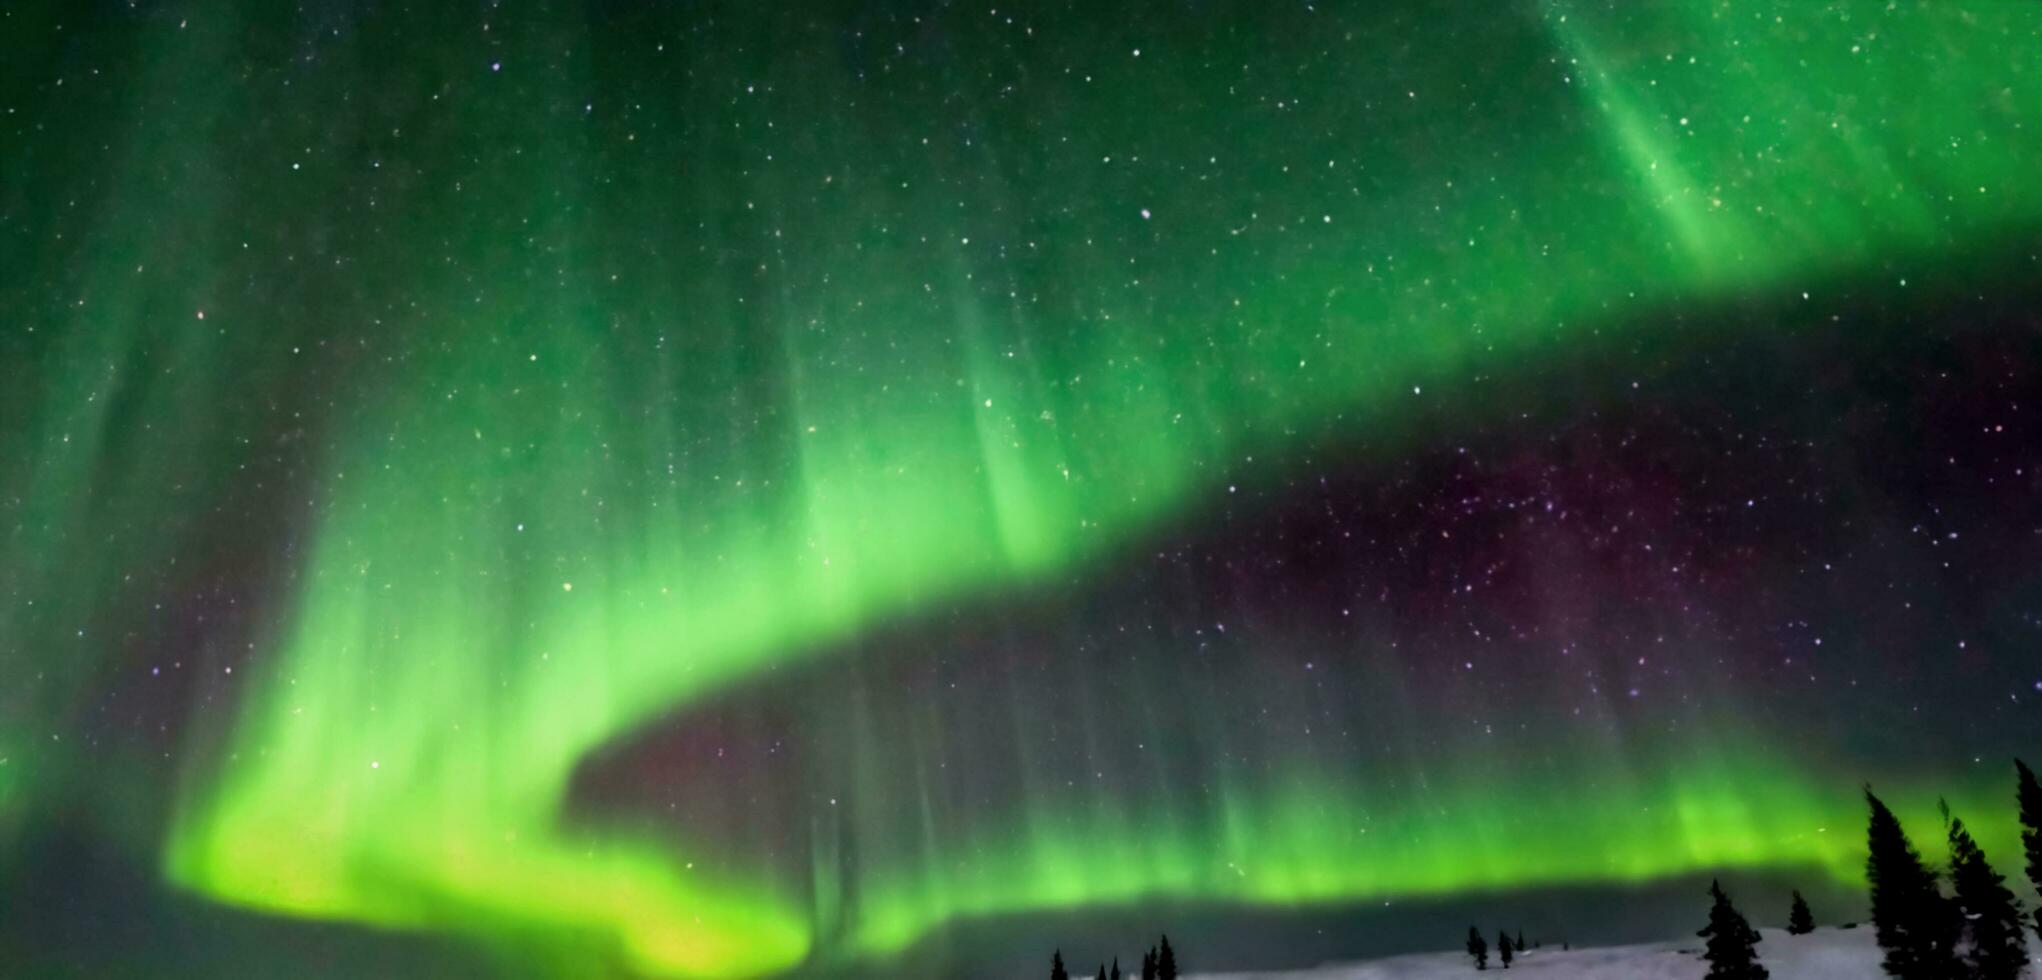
x,y
1503,949
2031,831
1166,961
1915,926
1732,952
1102,971
1149,964
1800,921
1999,943
1518,944
1115,975
1056,966
1478,948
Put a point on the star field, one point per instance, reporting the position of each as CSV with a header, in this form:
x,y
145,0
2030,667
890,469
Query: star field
x,y
725,489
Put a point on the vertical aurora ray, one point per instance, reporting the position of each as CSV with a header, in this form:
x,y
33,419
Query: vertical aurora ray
x,y
600,364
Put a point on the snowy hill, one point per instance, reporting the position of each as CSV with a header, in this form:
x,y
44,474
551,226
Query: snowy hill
x,y
1826,954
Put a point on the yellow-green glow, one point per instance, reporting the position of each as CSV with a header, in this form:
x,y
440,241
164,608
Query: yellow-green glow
x,y
672,367
444,670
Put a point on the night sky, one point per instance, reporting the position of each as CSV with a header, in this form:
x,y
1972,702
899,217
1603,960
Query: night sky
x,y
693,489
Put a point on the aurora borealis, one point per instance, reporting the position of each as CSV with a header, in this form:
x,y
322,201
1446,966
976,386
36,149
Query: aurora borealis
x,y
698,489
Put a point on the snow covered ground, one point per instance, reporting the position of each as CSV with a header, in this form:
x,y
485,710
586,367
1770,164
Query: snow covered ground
x,y
1825,954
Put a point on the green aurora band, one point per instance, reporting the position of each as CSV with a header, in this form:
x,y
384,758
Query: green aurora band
x,y
659,350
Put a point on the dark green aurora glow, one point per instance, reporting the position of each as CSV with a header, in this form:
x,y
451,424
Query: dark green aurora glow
x,y
415,420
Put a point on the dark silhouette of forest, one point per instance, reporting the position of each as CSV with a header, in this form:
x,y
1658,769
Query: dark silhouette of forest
x,y
1959,921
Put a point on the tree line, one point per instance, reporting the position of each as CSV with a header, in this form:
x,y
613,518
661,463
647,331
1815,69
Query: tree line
x,y
1506,950
1159,963
1978,931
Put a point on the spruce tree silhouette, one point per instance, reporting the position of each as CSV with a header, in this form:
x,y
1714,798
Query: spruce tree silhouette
x,y
1478,948
1518,943
1102,971
1915,926
1166,961
1732,952
2031,831
1503,949
1115,975
1149,964
1999,943
1800,921
1056,966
